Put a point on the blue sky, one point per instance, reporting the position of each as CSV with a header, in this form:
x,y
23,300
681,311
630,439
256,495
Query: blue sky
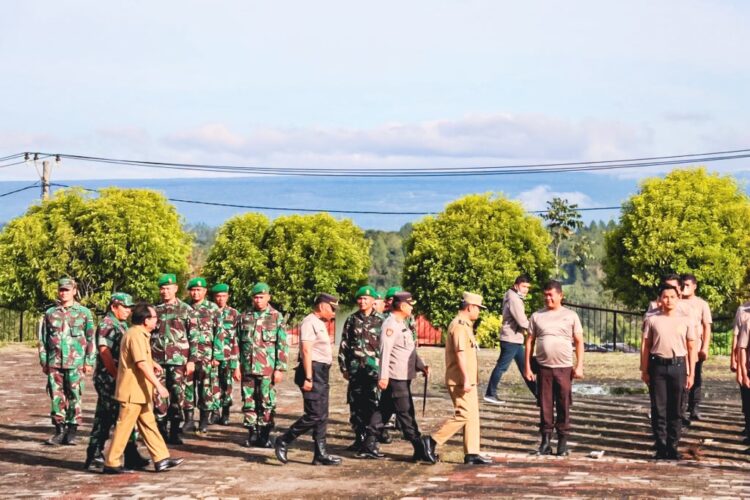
x,y
386,84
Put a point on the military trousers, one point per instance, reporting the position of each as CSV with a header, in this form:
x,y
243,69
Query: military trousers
x,y
667,378
555,398
202,388
65,388
315,407
174,379
258,400
465,418
105,417
363,395
131,415
226,382
397,398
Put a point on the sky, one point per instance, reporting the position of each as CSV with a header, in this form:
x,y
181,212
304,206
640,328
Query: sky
x,y
341,84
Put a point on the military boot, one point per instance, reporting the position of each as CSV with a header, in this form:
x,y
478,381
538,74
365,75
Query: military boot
x,y
264,436
57,437
369,449
133,459
562,446
189,425
70,435
224,420
174,433
203,424
321,455
359,439
385,437
252,437
281,449
545,447
94,457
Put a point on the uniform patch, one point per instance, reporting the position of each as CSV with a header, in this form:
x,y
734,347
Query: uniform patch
x,y
389,332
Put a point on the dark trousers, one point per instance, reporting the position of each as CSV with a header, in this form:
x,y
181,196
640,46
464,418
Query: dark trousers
x,y
694,395
667,386
745,396
509,352
396,397
555,397
362,396
315,416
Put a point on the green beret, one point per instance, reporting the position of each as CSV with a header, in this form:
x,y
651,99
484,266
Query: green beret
x,y
167,279
378,295
122,298
259,288
367,291
197,281
392,291
67,283
220,288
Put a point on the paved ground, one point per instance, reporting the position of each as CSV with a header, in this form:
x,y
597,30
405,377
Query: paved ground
x,y
218,466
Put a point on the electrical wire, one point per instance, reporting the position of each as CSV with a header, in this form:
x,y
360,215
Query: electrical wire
x,y
36,184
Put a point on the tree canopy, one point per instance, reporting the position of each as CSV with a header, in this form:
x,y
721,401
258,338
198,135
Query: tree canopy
x,y
120,240
479,243
687,222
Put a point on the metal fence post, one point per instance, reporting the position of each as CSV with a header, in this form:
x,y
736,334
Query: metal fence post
x,y
20,328
614,332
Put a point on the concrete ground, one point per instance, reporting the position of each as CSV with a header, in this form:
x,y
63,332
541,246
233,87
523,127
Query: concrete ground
x,y
218,466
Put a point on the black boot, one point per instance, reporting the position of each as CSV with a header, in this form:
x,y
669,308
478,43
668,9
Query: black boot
x,y
280,446
359,439
224,420
189,425
203,424
476,459
264,437
57,437
428,449
385,437
174,433
545,448
252,437
321,455
162,425
94,457
562,446
133,459
369,449
70,435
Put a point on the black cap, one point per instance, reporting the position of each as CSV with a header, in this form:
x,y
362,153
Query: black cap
x,y
403,296
327,298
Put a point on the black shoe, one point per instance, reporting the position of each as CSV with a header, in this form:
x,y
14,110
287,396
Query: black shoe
x,y
673,454
133,459
70,435
545,448
473,459
57,437
116,470
213,418
167,463
428,449
321,455
385,437
264,437
189,425
695,415
369,449
93,457
174,433
744,432
252,438
562,446
359,440
203,424
224,420
660,455
686,421
281,450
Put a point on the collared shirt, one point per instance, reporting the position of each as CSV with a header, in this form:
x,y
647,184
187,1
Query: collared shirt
x,y
359,351
66,337
398,351
460,340
314,330
741,328
132,385
514,318
699,313
554,331
668,334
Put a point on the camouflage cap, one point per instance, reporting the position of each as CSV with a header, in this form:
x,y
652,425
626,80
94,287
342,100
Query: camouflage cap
x,y
259,288
392,291
167,279
197,282
121,298
66,283
365,291
220,288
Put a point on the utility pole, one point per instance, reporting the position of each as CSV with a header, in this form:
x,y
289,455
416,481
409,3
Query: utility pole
x,y
45,180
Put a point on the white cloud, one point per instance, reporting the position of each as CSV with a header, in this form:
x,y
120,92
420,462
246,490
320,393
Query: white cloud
x,y
536,198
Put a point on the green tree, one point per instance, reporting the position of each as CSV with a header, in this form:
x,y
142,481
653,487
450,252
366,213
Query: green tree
x,y
119,240
237,256
387,255
563,220
479,243
689,221
309,254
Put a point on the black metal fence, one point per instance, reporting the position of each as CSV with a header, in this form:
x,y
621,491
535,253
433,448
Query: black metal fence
x,y
18,326
607,329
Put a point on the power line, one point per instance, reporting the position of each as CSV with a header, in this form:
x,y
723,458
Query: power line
x,y
32,186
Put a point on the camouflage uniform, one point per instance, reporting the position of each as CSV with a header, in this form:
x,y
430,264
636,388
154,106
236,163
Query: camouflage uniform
x,y
263,350
358,359
226,351
171,344
66,345
205,380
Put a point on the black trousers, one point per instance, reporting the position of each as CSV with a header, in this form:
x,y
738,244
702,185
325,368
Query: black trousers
x,y
362,395
397,398
315,416
667,386
694,395
745,396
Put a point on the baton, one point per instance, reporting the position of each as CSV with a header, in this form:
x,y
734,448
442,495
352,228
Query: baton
x,y
424,395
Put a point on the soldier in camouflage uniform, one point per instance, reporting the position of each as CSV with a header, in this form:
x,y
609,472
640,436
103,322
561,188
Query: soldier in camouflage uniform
x,y
226,349
204,388
171,346
263,358
108,336
358,362
379,303
66,353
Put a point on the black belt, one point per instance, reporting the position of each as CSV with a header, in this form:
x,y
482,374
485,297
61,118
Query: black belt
x,y
677,360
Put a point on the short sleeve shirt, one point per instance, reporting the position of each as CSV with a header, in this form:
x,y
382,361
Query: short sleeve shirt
x,y
460,339
132,386
742,327
314,330
700,314
554,331
668,334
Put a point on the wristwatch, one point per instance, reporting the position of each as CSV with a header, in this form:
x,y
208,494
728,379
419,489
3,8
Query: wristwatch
x,y
308,379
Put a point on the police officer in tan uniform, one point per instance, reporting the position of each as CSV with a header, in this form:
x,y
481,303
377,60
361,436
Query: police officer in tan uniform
x,y
461,374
